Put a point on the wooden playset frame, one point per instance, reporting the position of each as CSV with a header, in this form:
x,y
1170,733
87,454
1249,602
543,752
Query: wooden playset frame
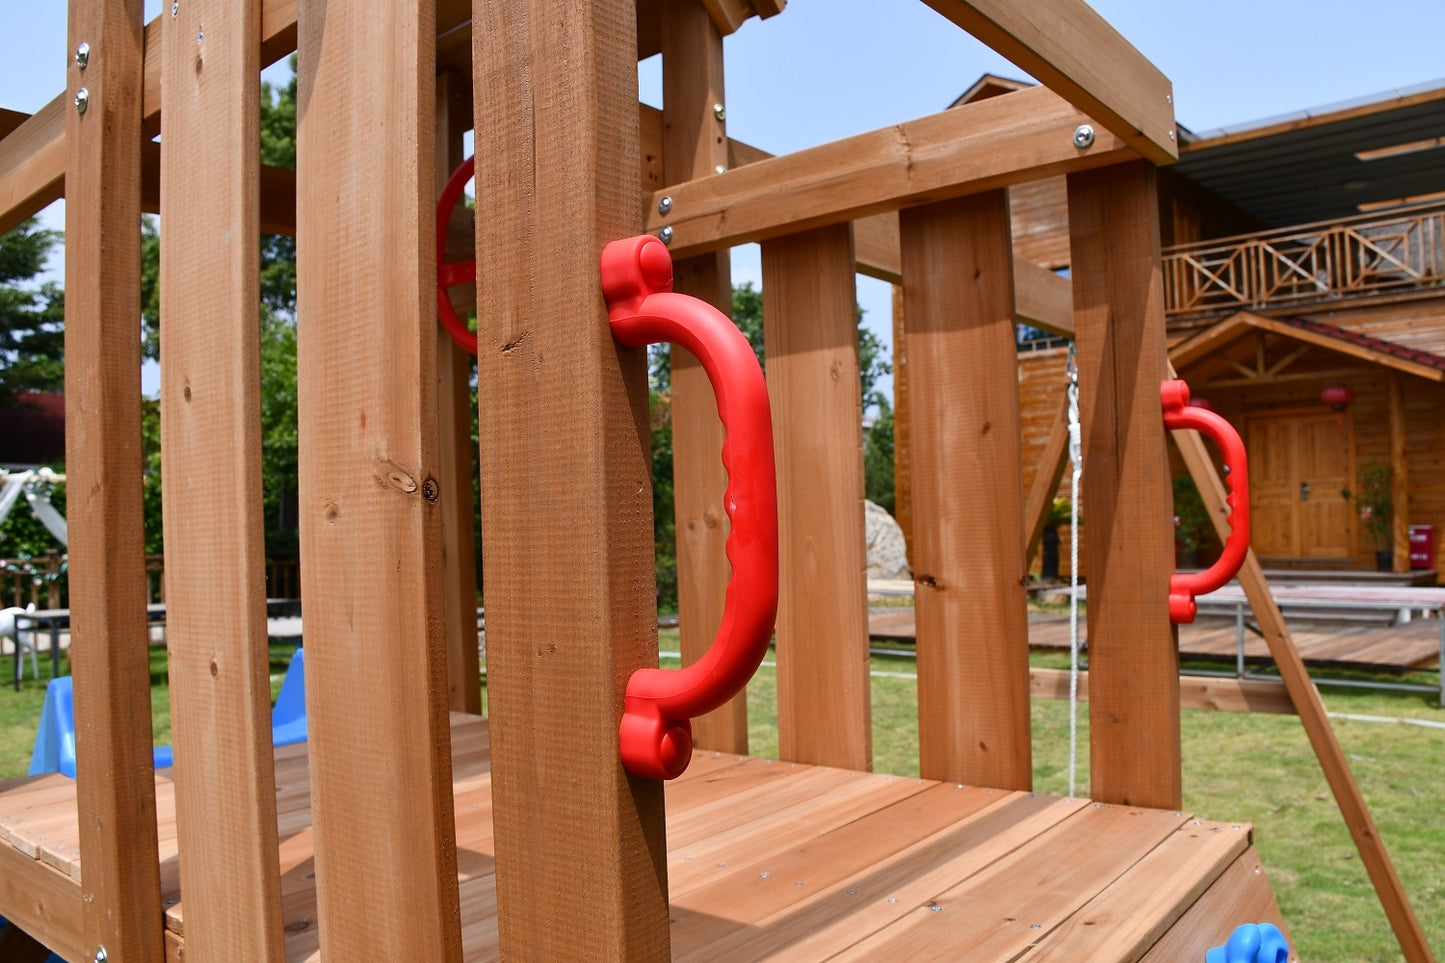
x,y
550,86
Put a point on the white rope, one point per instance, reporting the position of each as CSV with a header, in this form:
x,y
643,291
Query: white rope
x,y
1076,455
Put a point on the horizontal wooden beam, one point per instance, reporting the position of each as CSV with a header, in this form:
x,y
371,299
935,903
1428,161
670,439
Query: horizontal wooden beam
x,y
1195,692
1074,51
1024,136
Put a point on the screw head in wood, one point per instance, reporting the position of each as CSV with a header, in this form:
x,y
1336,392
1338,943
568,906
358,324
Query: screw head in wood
x,y
665,235
719,111
1083,136
82,100
82,55
175,7
719,169
100,955
664,205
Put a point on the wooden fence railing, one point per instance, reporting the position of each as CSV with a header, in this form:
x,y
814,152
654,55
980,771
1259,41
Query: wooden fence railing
x,y
1359,257
43,580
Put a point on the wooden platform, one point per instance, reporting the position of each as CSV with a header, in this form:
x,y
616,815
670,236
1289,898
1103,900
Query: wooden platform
x,y
774,860
1414,645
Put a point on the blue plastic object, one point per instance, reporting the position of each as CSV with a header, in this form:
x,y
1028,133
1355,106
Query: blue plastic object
x,y
1252,943
55,741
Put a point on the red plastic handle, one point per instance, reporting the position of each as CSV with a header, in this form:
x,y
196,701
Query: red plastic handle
x,y
461,272
656,731
1179,414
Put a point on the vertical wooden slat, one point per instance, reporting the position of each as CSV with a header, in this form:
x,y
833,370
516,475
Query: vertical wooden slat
x,y
110,639
1399,475
1127,537
810,322
211,445
1050,471
968,565
902,435
370,523
567,521
694,144
456,458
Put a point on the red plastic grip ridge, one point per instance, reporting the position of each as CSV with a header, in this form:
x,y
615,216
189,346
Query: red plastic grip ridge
x,y
1178,413
656,729
461,272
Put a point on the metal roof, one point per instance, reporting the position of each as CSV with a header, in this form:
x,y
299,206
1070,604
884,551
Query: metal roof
x,y
1303,167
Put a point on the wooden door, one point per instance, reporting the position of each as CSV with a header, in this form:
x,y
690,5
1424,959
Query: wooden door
x,y
1299,468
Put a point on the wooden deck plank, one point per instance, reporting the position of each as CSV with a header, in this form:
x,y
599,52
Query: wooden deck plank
x,y
1007,908
847,912
768,886
873,852
42,901
1130,916
1241,894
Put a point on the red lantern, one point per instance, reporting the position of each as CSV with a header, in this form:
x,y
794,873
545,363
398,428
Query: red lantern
x,y
1337,396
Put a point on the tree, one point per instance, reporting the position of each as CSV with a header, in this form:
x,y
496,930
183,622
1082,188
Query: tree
x,y
32,336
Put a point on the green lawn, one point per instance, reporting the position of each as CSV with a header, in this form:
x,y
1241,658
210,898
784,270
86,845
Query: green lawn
x,y
1237,767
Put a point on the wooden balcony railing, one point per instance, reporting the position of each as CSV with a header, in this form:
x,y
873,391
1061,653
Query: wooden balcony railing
x,y
1360,257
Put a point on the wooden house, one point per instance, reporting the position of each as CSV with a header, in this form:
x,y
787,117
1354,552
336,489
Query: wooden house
x,y
410,827
1303,263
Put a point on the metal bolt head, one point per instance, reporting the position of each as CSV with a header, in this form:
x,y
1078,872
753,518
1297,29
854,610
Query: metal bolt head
x,y
175,7
664,205
719,169
100,955
82,55
1083,136
719,111
82,100
665,235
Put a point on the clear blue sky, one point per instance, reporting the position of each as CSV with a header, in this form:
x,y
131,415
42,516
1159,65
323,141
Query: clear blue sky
x,y
828,68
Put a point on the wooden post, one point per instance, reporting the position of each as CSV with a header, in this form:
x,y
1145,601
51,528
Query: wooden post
x,y
902,436
810,322
694,144
1399,476
567,521
376,700
211,441
456,455
1127,546
1311,711
968,565
110,638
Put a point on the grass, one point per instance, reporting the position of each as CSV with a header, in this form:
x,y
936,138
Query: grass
x,y
1237,767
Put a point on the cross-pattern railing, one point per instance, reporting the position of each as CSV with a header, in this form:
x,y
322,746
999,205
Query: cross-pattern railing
x,y
1322,262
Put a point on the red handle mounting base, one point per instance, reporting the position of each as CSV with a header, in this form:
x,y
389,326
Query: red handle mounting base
x,y
1178,413
656,730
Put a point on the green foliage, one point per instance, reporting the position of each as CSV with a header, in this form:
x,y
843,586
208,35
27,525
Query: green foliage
x,y
1375,503
32,339
664,523
23,536
878,456
1192,526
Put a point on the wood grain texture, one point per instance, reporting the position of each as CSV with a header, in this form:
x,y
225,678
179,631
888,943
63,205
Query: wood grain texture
x,y
110,639
1241,894
968,565
211,442
694,143
1069,47
457,457
42,901
1311,710
966,150
1399,474
902,433
567,523
810,327
370,523
1048,473
1128,545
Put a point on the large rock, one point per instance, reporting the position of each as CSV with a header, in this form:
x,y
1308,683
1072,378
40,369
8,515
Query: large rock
x,y
887,552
